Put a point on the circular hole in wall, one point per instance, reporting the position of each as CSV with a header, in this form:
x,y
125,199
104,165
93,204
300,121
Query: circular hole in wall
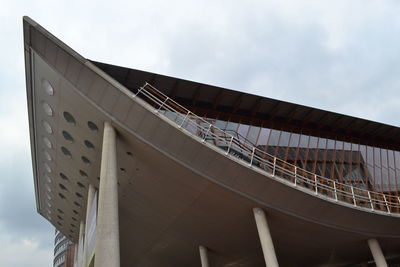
x,y
66,152
67,136
47,109
69,118
47,127
92,126
48,88
88,144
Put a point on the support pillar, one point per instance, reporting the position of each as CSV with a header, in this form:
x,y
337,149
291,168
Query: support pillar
x,y
377,253
107,231
204,256
91,191
265,238
80,244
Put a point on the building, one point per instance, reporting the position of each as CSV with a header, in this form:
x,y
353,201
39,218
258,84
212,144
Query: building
x,y
64,251
141,169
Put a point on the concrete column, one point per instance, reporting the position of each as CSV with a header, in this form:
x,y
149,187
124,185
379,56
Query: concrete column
x,y
107,230
265,238
204,256
91,191
377,253
80,244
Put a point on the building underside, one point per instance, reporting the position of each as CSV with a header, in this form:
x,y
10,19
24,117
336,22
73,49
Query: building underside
x,y
138,169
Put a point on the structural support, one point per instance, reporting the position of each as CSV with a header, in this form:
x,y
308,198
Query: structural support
x,y
91,191
107,231
204,256
377,253
265,238
80,244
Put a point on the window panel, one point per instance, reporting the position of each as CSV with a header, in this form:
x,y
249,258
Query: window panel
x,y
253,134
263,137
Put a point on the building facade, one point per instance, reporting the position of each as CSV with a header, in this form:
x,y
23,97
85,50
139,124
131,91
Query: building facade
x,y
141,169
64,251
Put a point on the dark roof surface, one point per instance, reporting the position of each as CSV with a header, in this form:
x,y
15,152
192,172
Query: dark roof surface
x,y
226,104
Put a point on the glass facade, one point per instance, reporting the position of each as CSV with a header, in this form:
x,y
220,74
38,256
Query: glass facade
x,y
362,166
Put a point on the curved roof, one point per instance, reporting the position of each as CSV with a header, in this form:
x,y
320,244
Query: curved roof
x,y
256,110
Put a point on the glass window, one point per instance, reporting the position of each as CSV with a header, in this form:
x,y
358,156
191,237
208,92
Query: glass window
x,y
253,134
284,140
263,138
304,140
274,138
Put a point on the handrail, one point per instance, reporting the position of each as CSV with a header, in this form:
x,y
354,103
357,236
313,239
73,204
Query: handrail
x,y
255,157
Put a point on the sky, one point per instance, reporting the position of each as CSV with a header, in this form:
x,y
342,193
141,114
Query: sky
x,y
342,56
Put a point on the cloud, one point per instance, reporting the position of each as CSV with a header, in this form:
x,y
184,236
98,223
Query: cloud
x,y
336,55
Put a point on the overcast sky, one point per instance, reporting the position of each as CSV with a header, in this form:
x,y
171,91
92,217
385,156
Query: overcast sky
x,y
342,56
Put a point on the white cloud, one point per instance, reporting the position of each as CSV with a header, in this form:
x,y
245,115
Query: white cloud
x,y
337,55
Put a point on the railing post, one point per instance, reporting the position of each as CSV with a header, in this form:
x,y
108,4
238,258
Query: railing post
x,y
140,89
252,156
354,198
229,147
273,170
205,136
316,184
335,190
370,200
387,207
184,119
162,104
295,175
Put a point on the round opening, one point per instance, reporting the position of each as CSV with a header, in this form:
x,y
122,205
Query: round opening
x,y
48,179
59,217
47,155
80,185
60,211
85,160
74,219
47,167
47,87
129,153
62,187
61,195
74,211
78,195
47,109
73,225
82,173
122,170
88,144
92,126
48,188
63,176
66,152
77,204
68,117
47,142
47,127
67,136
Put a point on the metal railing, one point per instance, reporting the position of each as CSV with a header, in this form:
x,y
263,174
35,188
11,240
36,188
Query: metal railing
x,y
233,144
